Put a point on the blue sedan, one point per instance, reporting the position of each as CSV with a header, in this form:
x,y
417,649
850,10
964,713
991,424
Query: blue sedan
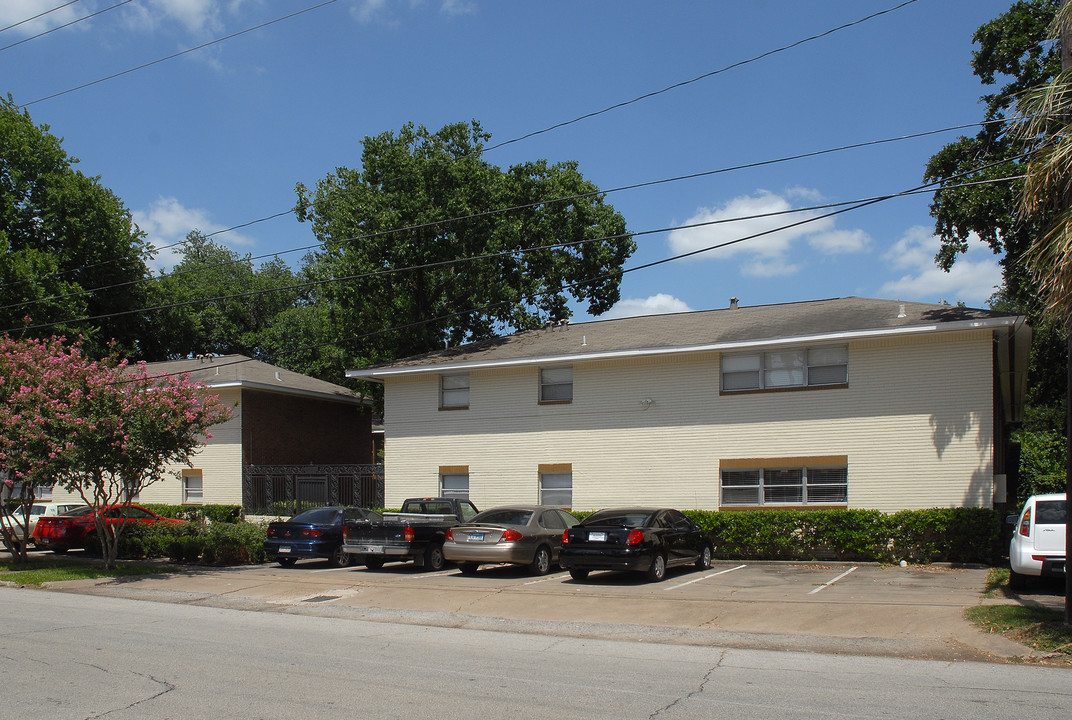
x,y
314,533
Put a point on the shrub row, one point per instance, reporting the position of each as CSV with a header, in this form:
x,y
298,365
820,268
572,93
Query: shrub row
x,y
196,513
219,543
959,535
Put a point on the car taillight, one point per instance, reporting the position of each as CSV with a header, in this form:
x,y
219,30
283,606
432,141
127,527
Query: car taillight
x,y
450,535
345,532
407,534
271,532
311,532
565,537
510,535
1025,524
635,537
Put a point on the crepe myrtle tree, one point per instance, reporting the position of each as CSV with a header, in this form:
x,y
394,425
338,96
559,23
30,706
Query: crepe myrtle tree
x,y
117,428
40,394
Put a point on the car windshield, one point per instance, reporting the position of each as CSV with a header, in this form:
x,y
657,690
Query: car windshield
x,y
76,511
636,518
1050,512
504,517
317,516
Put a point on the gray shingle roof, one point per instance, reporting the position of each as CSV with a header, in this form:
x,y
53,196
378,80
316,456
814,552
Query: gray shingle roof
x,y
239,370
709,329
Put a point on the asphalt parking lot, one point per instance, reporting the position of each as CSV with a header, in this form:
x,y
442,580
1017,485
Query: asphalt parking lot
x,y
872,609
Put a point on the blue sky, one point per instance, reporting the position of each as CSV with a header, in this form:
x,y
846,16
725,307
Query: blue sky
x,y
219,137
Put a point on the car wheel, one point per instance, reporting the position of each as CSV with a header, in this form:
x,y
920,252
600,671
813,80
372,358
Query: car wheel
x,y
578,574
468,568
374,563
541,561
1017,581
286,561
339,557
657,571
704,561
433,558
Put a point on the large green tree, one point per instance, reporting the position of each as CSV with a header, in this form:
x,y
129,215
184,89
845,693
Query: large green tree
x,y
430,244
68,247
215,301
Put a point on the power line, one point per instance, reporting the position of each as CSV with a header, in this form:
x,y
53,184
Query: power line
x,y
544,130
182,52
706,75
844,206
60,27
409,228
38,15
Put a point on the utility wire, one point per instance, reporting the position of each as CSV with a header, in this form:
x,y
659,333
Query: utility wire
x,y
38,15
436,223
60,27
706,75
182,52
844,207
548,129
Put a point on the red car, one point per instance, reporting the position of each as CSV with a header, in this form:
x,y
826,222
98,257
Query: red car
x,y
60,533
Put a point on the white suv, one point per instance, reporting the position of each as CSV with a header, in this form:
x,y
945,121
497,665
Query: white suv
x,y
1038,540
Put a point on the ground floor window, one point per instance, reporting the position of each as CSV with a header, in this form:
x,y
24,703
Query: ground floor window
x,y
556,485
775,483
193,487
454,481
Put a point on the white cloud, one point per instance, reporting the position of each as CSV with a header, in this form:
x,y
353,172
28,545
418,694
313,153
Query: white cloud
x,y
972,280
196,16
15,11
659,304
761,235
366,11
458,7
167,222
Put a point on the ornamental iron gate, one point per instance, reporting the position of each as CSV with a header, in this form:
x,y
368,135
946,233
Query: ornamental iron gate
x,y
284,490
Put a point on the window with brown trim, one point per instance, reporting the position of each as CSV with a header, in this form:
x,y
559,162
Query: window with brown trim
x,y
774,484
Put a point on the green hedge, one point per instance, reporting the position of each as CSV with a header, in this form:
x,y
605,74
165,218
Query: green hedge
x,y
960,535
220,543
194,513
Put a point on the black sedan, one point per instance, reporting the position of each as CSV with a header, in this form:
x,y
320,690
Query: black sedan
x,y
647,540
314,533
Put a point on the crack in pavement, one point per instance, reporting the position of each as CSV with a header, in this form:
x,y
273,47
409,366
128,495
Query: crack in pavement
x,y
703,682
167,687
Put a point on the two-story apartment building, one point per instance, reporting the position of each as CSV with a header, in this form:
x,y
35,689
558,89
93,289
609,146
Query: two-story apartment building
x,y
847,402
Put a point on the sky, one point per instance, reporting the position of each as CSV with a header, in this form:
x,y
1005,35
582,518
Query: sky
x,y
196,134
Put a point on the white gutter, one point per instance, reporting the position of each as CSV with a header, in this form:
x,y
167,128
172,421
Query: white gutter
x,y
376,374
240,384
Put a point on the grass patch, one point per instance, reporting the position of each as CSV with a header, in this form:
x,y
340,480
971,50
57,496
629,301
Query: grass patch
x,y
997,579
1040,628
38,572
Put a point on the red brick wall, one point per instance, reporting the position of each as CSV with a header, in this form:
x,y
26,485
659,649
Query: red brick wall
x,y
287,430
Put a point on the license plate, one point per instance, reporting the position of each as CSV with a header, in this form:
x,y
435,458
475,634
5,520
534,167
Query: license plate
x,y
597,537
284,549
371,549
476,537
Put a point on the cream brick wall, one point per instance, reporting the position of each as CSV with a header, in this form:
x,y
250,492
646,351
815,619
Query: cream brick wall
x,y
220,462
916,424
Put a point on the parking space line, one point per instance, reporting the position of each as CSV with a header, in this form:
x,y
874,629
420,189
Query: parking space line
x,y
338,569
696,580
826,585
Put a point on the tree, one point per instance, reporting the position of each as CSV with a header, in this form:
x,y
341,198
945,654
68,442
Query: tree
x,y
1045,127
421,250
68,247
221,303
1014,47
38,406
101,429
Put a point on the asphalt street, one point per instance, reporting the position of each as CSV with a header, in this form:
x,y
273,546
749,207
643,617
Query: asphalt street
x,y
83,656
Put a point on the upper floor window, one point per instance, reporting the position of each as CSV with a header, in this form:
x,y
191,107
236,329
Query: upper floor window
x,y
556,385
454,391
788,368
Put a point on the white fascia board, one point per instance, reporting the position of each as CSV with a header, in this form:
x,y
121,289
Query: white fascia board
x,y
379,375
242,385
